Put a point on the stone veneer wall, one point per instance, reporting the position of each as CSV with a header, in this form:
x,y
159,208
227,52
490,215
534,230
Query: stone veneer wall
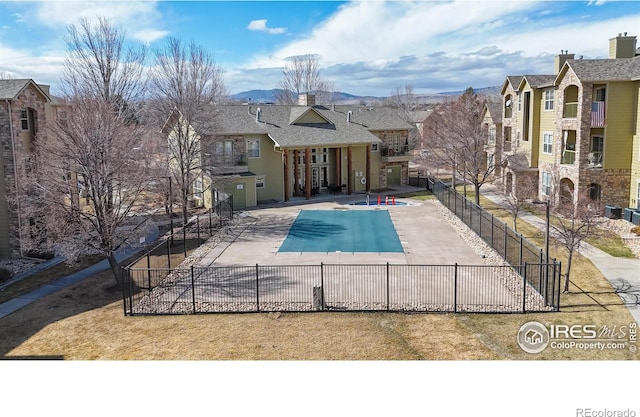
x,y
29,98
615,183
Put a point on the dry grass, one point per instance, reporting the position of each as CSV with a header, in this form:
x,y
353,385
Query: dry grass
x,y
86,322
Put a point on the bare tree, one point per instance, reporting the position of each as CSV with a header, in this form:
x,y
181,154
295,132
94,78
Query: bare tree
x,y
302,75
455,138
515,202
98,149
187,84
575,221
6,75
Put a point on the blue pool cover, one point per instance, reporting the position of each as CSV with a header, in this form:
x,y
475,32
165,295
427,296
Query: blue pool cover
x,y
342,231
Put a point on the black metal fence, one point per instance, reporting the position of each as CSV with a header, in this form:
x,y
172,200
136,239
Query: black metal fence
x,y
339,287
512,246
181,239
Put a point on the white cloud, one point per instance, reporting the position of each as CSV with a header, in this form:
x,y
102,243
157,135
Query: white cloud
x,y
261,26
18,17
366,46
140,20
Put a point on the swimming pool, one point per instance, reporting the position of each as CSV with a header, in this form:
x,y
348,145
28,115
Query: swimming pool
x,y
342,231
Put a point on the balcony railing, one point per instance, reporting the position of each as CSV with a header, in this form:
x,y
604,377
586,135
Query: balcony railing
x,y
568,157
394,151
570,110
507,146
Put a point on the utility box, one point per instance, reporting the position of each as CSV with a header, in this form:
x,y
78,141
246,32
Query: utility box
x,y
628,212
613,212
318,302
635,218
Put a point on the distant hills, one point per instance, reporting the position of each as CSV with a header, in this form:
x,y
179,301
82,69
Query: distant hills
x,y
269,96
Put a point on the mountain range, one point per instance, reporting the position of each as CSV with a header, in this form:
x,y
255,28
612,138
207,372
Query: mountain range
x,y
269,96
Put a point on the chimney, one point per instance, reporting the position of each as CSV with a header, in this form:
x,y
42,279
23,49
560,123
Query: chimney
x,y
306,99
258,115
559,60
349,113
622,46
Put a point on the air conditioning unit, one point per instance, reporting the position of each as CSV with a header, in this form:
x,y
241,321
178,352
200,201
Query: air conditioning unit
x,y
594,159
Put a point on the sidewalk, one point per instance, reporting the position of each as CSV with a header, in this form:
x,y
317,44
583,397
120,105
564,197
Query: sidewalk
x,y
17,303
622,273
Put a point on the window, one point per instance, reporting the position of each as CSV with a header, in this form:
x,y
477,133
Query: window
x,y
547,143
223,152
374,147
394,142
507,106
600,94
595,191
596,151
62,118
519,102
253,148
597,144
548,99
546,183
492,134
24,119
259,181
198,189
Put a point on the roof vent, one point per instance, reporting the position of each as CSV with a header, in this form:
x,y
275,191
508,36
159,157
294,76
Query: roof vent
x,y
249,109
349,114
258,115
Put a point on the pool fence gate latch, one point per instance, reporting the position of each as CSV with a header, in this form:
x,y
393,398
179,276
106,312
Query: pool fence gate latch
x,y
317,298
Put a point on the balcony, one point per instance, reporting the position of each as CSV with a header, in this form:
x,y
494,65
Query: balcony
x,y
568,157
228,164
594,159
570,110
395,154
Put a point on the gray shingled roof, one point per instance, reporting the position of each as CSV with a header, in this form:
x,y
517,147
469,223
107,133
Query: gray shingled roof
x,y
275,121
537,81
514,80
495,110
9,89
620,69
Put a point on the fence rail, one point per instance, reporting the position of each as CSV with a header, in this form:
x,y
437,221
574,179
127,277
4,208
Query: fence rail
x,y
512,246
338,287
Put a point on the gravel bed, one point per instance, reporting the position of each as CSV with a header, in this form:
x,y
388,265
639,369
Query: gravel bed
x,y
623,229
19,265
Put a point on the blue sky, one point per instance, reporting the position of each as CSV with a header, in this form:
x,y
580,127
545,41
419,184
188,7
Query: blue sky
x,y
368,47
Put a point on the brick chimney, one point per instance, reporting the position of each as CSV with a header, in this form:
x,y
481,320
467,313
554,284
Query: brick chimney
x,y
307,99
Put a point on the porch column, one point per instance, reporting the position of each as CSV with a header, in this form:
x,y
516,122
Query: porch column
x,y
349,173
307,173
338,167
296,174
367,171
285,156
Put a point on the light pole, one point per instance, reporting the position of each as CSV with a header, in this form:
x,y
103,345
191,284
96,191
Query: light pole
x,y
546,242
170,207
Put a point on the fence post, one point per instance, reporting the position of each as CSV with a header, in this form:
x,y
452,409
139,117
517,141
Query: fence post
x,y
540,281
193,290
149,271
198,228
387,286
479,221
492,228
455,287
168,254
322,286
257,289
184,239
559,272
506,240
524,289
521,245
126,279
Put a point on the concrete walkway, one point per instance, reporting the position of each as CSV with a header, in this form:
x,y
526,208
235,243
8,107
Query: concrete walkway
x,y
622,273
17,303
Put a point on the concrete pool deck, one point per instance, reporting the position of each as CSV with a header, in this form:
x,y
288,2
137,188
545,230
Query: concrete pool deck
x,y
427,239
